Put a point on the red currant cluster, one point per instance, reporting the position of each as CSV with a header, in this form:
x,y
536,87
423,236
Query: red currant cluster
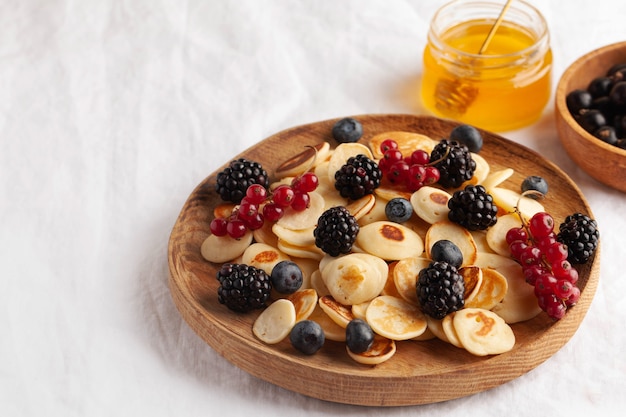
x,y
415,171
545,265
258,205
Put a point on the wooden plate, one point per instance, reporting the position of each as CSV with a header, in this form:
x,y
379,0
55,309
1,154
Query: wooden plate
x,y
420,372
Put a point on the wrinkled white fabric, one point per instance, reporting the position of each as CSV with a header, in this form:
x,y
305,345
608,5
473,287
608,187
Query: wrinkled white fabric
x,y
111,112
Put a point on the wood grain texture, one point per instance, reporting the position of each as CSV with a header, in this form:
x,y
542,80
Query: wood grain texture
x,y
420,372
606,163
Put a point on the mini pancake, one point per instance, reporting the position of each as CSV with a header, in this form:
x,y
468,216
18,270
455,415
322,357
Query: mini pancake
x,y
275,322
304,302
483,332
395,318
381,350
390,241
220,249
454,233
431,204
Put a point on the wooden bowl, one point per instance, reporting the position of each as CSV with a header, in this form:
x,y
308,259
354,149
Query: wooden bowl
x,y
604,162
420,372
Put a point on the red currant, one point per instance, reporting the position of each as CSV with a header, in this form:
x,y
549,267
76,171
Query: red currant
x,y
556,253
218,226
545,242
516,233
236,228
574,297
384,166
530,256
420,157
388,144
255,222
544,284
300,201
247,210
283,195
273,212
432,175
563,289
554,307
392,155
256,193
541,225
306,182
531,273
517,247
398,172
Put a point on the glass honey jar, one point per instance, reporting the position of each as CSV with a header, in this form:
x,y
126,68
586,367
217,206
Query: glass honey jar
x,y
502,87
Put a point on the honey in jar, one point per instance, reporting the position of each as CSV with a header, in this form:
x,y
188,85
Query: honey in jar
x,y
504,87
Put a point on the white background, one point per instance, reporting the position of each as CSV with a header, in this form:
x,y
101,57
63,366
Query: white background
x,y
111,112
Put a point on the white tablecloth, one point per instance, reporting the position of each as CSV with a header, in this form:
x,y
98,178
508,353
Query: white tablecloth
x,y
112,111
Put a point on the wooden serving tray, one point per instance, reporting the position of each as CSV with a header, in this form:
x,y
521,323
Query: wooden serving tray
x,y
421,371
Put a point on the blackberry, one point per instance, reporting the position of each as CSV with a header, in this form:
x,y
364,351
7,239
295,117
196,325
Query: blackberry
x,y
358,177
336,231
243,287
454,162
235,179
473,208
581,235
440,290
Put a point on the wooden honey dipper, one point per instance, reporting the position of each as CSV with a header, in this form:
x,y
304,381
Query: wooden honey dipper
x,y
452,95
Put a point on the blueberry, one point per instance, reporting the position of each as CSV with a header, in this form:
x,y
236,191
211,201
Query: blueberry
x,y
447,251
398,210
535,183
469,136
347,130
286,277
359,336
307,336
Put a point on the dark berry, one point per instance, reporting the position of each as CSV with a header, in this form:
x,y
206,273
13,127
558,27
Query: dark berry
x,y
578,100
359,336
242,287
600,86
454,162
535,183
591,120
398,210
358,177
347,130
336,231
615,69
286,277
618,94
307,336
473,208
440,290
232,183
605,106
469,136
606,134
446,251
581,235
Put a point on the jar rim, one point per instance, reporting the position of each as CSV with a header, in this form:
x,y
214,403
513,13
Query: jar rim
x,y
542,35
